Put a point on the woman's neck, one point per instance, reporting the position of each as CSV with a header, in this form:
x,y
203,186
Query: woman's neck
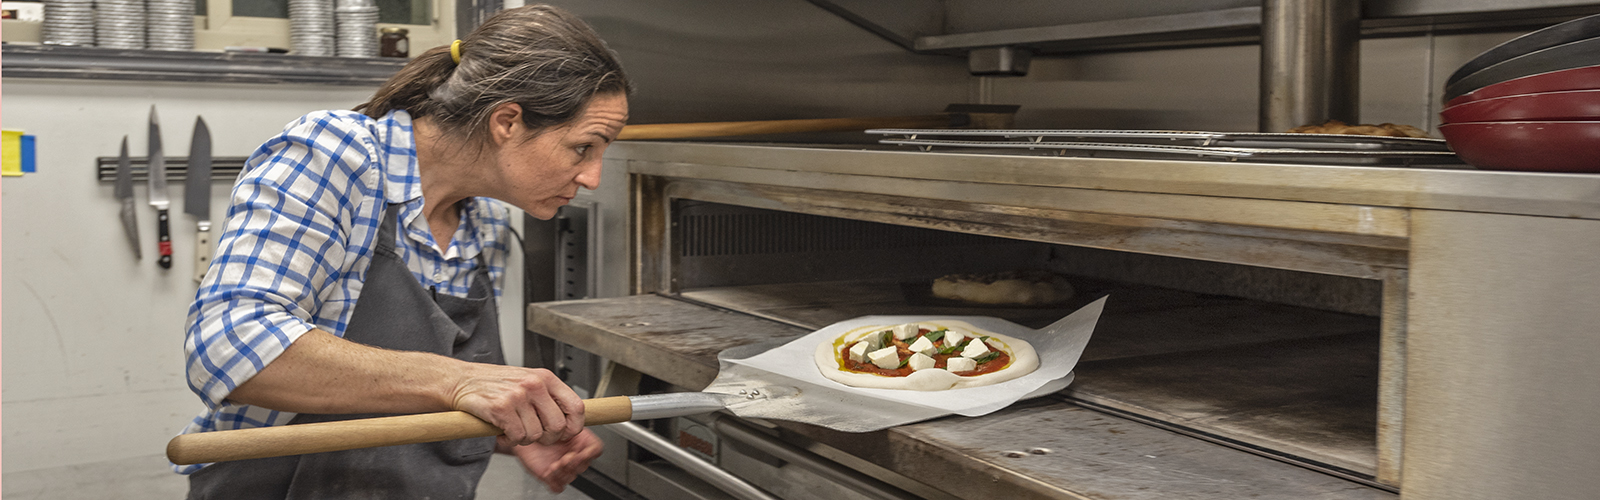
x,y
447,173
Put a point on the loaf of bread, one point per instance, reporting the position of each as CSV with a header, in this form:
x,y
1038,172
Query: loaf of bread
x,y
1028,288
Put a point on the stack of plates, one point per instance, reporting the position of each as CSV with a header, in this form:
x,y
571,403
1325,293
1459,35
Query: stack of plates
x,y
357,26
311,27
119,24
170,24
68,22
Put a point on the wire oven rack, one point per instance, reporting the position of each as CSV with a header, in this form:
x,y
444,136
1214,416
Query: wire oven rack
x,y
1326,148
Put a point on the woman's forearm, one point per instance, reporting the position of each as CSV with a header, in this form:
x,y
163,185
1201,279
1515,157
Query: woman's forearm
x,y
321,373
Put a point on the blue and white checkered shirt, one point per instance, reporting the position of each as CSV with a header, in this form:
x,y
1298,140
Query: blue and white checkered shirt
x,y
298,240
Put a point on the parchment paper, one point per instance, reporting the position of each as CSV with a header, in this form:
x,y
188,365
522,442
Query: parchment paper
x,y
1059,346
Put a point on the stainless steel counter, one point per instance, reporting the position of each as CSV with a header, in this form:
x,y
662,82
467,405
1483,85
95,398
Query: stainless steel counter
x,y
1457,189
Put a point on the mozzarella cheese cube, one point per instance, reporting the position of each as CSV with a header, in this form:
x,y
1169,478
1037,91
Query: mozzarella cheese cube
x,y
886,358
960,364
858,352
919,361
954,336
975,348
923,346
907,331
874,341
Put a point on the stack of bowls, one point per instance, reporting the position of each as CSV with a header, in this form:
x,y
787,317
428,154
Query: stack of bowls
x,y
1532,103
356,23
311,27
169,24
119,24
68,22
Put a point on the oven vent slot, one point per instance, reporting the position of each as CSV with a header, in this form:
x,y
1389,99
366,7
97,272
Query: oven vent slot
x,y
781,233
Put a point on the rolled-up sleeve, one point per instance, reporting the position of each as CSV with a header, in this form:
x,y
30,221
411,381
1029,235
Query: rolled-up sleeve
x,y
281,253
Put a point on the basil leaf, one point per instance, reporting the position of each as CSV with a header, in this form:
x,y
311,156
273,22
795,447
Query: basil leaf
x,y
987,357
888,339
949,349
935,336
903,362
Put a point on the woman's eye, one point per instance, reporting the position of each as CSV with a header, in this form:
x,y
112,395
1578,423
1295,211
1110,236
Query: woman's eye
x,y
583,150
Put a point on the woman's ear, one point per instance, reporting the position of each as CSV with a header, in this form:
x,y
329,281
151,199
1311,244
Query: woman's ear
x,y
505,123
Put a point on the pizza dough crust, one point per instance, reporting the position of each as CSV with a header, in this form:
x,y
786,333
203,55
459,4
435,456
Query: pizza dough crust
x,y
1023,361
1028,288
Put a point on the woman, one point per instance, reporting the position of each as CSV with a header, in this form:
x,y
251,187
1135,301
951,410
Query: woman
x,y
358,270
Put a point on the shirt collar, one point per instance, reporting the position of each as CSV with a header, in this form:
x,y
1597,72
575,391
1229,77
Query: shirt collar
x,y
402,179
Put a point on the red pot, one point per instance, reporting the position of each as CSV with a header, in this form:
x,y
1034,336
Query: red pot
x,y
1539,146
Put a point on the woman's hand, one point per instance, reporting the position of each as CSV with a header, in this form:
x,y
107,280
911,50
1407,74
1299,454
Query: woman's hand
x,y
530,404
557,464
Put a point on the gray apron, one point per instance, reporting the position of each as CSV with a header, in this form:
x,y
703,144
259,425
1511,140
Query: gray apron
x,y
394,312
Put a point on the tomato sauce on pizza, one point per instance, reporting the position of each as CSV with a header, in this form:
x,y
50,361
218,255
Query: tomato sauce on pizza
x,y
992,364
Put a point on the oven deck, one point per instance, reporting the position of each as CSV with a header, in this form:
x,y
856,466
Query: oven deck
x,y
1054,447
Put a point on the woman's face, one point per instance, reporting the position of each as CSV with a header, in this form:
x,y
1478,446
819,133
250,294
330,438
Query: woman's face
x,y
542,173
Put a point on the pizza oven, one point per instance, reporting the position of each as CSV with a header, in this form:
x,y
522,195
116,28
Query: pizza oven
x,y
1276,330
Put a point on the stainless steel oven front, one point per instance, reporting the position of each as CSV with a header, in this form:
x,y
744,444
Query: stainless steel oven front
x,y
1274,330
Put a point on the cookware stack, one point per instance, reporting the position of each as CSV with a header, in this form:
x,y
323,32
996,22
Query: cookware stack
x,y
311,31
1532,103
356,28
68,22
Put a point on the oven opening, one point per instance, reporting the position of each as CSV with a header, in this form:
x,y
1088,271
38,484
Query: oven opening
x,y
1280,363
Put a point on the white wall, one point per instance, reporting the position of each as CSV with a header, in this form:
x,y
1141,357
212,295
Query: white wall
x,y
93,339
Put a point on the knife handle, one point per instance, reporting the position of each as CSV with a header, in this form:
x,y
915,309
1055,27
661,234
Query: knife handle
x,y
164,239
202,252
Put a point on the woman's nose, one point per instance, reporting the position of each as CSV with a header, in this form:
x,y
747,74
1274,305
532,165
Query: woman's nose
x,y
589,178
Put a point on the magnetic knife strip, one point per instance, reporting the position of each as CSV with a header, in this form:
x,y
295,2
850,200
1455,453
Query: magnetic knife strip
x,y
223,168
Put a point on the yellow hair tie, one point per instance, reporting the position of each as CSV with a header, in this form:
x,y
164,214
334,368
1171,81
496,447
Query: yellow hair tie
x,y
455,51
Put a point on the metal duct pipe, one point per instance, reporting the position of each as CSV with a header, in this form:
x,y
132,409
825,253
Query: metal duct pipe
x,y
1310,62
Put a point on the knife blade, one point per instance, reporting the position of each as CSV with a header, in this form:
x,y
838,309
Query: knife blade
x,y
158,191
124,192
197,195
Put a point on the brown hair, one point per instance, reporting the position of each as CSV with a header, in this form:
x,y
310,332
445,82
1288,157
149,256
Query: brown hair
x,y
540,57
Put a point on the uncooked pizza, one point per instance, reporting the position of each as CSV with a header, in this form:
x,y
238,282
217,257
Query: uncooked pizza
x,y
1024,288
924,356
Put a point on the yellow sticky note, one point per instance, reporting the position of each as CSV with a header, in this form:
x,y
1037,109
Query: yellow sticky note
x,y
11,153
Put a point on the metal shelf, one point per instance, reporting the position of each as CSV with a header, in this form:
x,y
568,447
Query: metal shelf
x,y
92,63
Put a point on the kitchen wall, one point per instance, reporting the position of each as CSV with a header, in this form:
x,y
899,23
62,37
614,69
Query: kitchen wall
x,y
93,359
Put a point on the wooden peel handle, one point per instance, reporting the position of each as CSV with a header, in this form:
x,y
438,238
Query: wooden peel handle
x,y
283,440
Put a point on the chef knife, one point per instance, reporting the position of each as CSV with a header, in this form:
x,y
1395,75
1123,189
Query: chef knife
x,y
197,195
124,191
158,191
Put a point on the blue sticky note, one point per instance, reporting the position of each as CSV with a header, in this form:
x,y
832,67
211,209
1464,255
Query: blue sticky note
x,y
27,154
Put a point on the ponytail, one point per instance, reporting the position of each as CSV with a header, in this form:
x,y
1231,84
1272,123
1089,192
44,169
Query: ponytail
x,y
408,89
539,57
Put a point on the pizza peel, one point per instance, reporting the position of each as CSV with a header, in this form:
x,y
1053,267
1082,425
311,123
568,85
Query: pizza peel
x,y
762,380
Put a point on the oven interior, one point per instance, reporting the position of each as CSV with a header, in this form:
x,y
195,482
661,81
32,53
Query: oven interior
x,y
1279,363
